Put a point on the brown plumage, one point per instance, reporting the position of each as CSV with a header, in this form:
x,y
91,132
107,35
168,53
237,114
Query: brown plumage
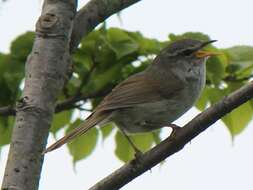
x,y
153,98
130,92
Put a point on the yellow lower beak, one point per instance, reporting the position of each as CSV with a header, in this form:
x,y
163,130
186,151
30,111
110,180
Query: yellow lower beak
x,y
202,53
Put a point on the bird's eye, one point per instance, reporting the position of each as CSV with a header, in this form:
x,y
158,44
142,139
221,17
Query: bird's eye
x,y
187,52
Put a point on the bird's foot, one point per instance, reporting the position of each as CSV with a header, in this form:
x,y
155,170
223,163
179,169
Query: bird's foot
x,y
138,154
137,157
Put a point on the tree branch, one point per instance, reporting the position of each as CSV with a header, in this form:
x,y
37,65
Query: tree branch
x,y
70,103
93,13
67,104
175,143
7,111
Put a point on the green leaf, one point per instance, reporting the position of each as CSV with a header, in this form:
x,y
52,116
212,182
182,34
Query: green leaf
x,y
107,130
246,71
5,63
6,126
215,70
6,94
82,62
120,42
13,81
60,120
11,75
156,136
232,68
147,46
143,141
190,35
242,57
240,53
238,119
22,46
82,146
251,103
202,102
90,42
215,94
125,152
99,80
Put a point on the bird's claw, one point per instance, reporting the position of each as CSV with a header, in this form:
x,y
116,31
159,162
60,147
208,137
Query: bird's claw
x,y
137,157
175,128
138,154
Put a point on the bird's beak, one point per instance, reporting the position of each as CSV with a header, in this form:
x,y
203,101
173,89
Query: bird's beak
x,y
204,53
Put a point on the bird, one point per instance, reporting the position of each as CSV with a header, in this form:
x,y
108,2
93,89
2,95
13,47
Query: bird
x,y
155,97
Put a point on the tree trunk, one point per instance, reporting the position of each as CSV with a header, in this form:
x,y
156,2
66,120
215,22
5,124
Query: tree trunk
x,y
46,69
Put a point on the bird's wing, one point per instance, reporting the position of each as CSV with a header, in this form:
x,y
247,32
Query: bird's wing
x,y
137,89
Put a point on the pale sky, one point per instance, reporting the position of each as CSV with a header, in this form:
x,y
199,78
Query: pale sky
x,y
210,161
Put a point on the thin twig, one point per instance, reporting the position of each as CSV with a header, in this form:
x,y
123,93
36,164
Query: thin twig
x,y
236,79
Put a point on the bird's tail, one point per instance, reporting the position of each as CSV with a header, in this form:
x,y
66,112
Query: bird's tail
x,y
90,122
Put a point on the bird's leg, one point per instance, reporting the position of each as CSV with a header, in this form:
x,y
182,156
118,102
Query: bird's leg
x,y
138,153
174,128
